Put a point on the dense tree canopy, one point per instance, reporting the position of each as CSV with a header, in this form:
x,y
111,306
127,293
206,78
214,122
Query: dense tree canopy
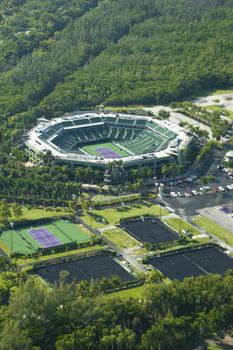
x,y
118,52
58,57
73,317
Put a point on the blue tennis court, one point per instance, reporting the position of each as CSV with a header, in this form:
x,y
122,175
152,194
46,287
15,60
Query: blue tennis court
x,y
107,153
45,237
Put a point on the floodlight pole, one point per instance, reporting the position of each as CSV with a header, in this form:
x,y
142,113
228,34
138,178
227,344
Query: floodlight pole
x,y
142,219
181,213
90,210
122,217
160,203
180,225
12,226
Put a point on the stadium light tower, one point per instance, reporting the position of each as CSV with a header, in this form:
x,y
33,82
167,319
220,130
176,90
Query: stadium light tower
x,y
181,213
123,206
155,183
142,220
12,226
90,211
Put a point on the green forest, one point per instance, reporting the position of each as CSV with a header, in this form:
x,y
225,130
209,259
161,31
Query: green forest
x,y
57,57
61,56
180,315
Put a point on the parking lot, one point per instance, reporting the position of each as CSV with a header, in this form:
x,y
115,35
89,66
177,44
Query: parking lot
x,y
95,267
193,263
150,230
191,195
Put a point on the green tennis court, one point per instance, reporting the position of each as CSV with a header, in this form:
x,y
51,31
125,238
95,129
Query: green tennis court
x,y
93,149
21,241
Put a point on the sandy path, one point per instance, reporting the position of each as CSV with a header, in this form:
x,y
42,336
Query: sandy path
x,y
223,100
176,118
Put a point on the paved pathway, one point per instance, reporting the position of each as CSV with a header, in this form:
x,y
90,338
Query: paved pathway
x,y
106,228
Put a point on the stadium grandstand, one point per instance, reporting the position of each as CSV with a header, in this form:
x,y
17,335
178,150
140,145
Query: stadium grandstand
x,y
96,140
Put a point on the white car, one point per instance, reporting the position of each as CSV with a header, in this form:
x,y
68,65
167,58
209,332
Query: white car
x,y
229,187
195,192
180,194
187,194
173,194
205,188
221,188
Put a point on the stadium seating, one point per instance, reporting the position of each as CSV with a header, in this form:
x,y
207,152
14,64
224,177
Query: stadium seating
x,y
125,121
141,122
144,141
138,136
81,121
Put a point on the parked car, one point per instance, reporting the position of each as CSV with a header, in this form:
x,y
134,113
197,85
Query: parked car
x,y
215,189
220,167
173,194
195,192
221,188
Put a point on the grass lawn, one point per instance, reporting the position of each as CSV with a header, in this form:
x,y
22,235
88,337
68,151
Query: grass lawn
x,y
139,251
120,238
57,255
214,229
213,346
204,240
40,213
137,292
220,92
220,109
92,149
175,224
113,215
4,247
101,198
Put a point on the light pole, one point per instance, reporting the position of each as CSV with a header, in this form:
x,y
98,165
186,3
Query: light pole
x,y
12,226
155,183
142,220
181,212
123,206
90,211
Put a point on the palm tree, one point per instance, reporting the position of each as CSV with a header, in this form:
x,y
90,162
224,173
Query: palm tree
x,y
172,168
100,190
85,204
179,168
134,173
165,170
5,211
78,173
17,210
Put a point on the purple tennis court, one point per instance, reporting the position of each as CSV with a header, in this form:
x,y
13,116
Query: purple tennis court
x,y
107,153
227,209
45,237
